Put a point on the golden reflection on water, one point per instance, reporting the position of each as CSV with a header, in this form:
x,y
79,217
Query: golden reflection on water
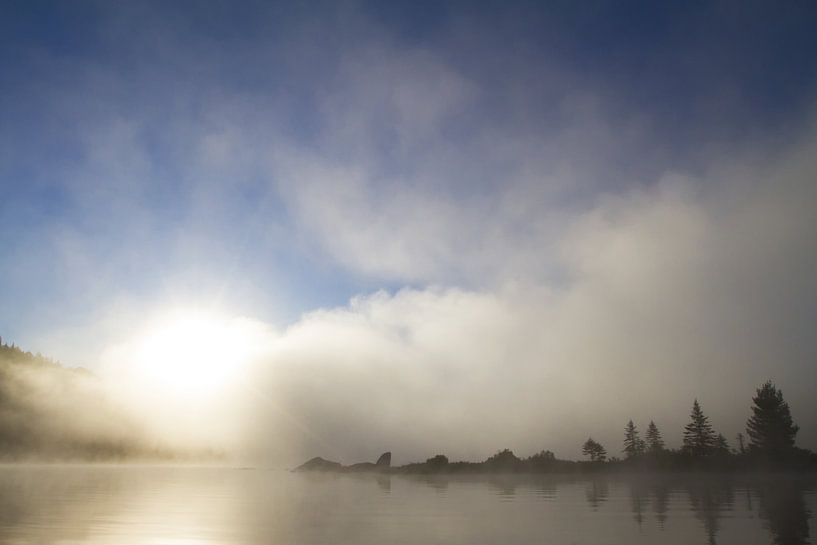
x,y
103,505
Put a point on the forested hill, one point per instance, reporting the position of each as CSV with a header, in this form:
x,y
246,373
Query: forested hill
x,y
11,355
53,413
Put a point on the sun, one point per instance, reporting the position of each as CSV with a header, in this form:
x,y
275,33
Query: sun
x,y
193,353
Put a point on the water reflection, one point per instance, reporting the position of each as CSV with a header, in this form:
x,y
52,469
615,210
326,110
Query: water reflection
x,y
708,500
660,502
546,490
783,507
384,482
638,500
505,487
436,482
26,500
596,492
219,506
780,501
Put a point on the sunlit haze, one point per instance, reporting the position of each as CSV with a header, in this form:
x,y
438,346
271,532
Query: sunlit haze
x,y
283,230
192,354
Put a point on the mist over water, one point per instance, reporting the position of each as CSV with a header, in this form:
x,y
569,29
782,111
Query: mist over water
x,y
220,506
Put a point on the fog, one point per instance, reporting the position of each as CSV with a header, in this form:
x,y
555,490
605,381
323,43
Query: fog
x,y
695,288
451,242
50,413
691,288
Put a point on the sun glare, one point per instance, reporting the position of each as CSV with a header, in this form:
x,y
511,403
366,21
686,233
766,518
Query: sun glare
x,y
193,353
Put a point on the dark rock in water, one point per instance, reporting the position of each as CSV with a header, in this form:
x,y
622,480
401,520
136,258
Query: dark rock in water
x,y
319,464
384,460
383,463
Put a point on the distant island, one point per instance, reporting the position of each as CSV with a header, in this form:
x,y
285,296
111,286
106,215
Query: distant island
x,y
770,446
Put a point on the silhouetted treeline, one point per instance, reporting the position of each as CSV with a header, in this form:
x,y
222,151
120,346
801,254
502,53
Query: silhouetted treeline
x,y
504,461
770,428
52,413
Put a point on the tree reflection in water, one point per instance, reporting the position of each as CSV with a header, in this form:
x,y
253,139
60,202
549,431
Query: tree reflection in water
x,y
157,504
660,500
779,501
638,500
596,493
783,507
708,500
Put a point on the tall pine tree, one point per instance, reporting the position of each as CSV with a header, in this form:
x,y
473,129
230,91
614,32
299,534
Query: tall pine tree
x,y
699,439
770,428
633,445
655,443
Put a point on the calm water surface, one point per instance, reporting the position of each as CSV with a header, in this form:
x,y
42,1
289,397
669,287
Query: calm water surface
x,y
208,506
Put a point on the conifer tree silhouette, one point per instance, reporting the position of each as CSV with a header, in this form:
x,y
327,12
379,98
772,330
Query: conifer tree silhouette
x,y
655,443
770,428
699,439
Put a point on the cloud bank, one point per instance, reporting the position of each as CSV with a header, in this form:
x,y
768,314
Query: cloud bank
x,y
539,241
690,288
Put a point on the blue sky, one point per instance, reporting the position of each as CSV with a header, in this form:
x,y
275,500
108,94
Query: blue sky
x,y
271,159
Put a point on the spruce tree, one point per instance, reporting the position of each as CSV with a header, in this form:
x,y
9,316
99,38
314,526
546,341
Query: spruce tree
x,y
699,439
655,443
770,428
633,445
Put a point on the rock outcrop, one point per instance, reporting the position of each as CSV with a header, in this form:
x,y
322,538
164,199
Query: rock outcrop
x,y
384,460
319,464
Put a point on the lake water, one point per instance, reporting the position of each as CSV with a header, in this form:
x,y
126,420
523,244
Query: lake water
x,y
208,506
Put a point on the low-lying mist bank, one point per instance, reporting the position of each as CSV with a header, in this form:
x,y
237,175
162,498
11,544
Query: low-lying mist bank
x,y
52,413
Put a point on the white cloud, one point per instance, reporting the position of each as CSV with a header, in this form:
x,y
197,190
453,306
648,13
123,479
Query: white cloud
x,y
693,288
554,297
